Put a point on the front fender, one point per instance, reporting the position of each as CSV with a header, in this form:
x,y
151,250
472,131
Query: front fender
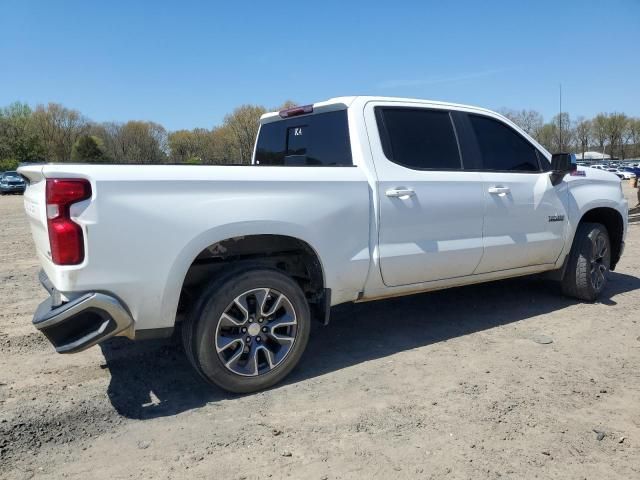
x,y
594,190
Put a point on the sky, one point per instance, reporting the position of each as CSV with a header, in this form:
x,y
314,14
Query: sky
x,y
186,64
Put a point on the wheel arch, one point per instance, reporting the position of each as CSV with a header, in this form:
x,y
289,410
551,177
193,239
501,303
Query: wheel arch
x,y
288,252
614,223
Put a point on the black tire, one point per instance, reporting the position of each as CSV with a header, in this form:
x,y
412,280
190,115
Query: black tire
x,y
200,331
588,267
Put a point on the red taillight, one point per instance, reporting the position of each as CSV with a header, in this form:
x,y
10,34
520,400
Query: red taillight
x,y
65,236
295,111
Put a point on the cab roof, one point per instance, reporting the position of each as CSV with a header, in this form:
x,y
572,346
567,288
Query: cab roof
x,y
342,103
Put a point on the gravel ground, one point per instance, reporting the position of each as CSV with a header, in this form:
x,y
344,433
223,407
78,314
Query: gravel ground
x,y
461,383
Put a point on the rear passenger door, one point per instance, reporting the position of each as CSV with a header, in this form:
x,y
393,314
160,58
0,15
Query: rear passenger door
x,y
525,216
430,209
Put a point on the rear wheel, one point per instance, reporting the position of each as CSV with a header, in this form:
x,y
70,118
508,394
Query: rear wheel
x,y
248,330
589,262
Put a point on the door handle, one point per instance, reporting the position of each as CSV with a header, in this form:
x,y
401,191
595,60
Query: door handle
x,y
499,190
400,192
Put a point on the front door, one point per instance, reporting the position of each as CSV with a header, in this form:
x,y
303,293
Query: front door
x,y
525,215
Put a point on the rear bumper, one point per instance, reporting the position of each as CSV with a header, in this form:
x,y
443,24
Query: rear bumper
x,y
80,323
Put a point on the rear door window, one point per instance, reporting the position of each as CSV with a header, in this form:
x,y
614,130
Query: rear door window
x,y
321,139
502,148
418,138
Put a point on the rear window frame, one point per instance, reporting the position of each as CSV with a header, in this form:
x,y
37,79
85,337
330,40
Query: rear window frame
x,y
302,121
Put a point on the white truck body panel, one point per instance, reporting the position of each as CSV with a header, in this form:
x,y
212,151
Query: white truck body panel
x,y
145,225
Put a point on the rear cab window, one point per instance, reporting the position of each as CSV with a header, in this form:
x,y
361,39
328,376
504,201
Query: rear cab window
x,y
319,139
418,138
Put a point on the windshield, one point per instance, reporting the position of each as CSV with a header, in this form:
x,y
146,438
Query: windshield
x,y
11,177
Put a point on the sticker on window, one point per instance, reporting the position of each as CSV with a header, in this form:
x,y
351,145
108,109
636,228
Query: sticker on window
x,y
297,140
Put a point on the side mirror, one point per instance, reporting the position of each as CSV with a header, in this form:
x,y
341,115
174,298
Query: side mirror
x,y
561,164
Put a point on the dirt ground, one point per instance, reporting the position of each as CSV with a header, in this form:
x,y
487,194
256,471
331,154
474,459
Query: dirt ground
x,y
452,384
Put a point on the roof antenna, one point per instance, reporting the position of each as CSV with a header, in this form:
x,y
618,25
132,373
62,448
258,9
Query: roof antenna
x,y
561,149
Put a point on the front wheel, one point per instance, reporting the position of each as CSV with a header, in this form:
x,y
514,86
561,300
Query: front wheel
x,y
248,330
589,262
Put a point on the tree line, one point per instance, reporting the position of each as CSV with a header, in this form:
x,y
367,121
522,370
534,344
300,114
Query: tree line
x,y
615,134
56,133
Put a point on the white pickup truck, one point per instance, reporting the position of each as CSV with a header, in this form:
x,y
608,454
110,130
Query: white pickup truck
x,y
348,200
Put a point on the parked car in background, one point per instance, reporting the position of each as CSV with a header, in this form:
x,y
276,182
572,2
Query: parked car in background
x,y
12,182
625,173
634,170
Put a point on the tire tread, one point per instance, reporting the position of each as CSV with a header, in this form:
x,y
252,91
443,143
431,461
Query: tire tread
x,y
577,280
195,326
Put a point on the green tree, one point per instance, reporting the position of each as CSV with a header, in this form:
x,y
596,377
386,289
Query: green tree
x,y
614,128
583,134
530,121
547,136
563,132
226,148
58,128
108,132
17,139
193,161
181,145
599,130
134,141
143,142
90,149
286,104
189,144
7,164
634,137
243,123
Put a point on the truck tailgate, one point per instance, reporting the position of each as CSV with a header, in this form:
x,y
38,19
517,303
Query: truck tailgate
x,y
35,207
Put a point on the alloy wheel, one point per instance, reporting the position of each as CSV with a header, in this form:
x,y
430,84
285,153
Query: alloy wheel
x,y
256,332
598,265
